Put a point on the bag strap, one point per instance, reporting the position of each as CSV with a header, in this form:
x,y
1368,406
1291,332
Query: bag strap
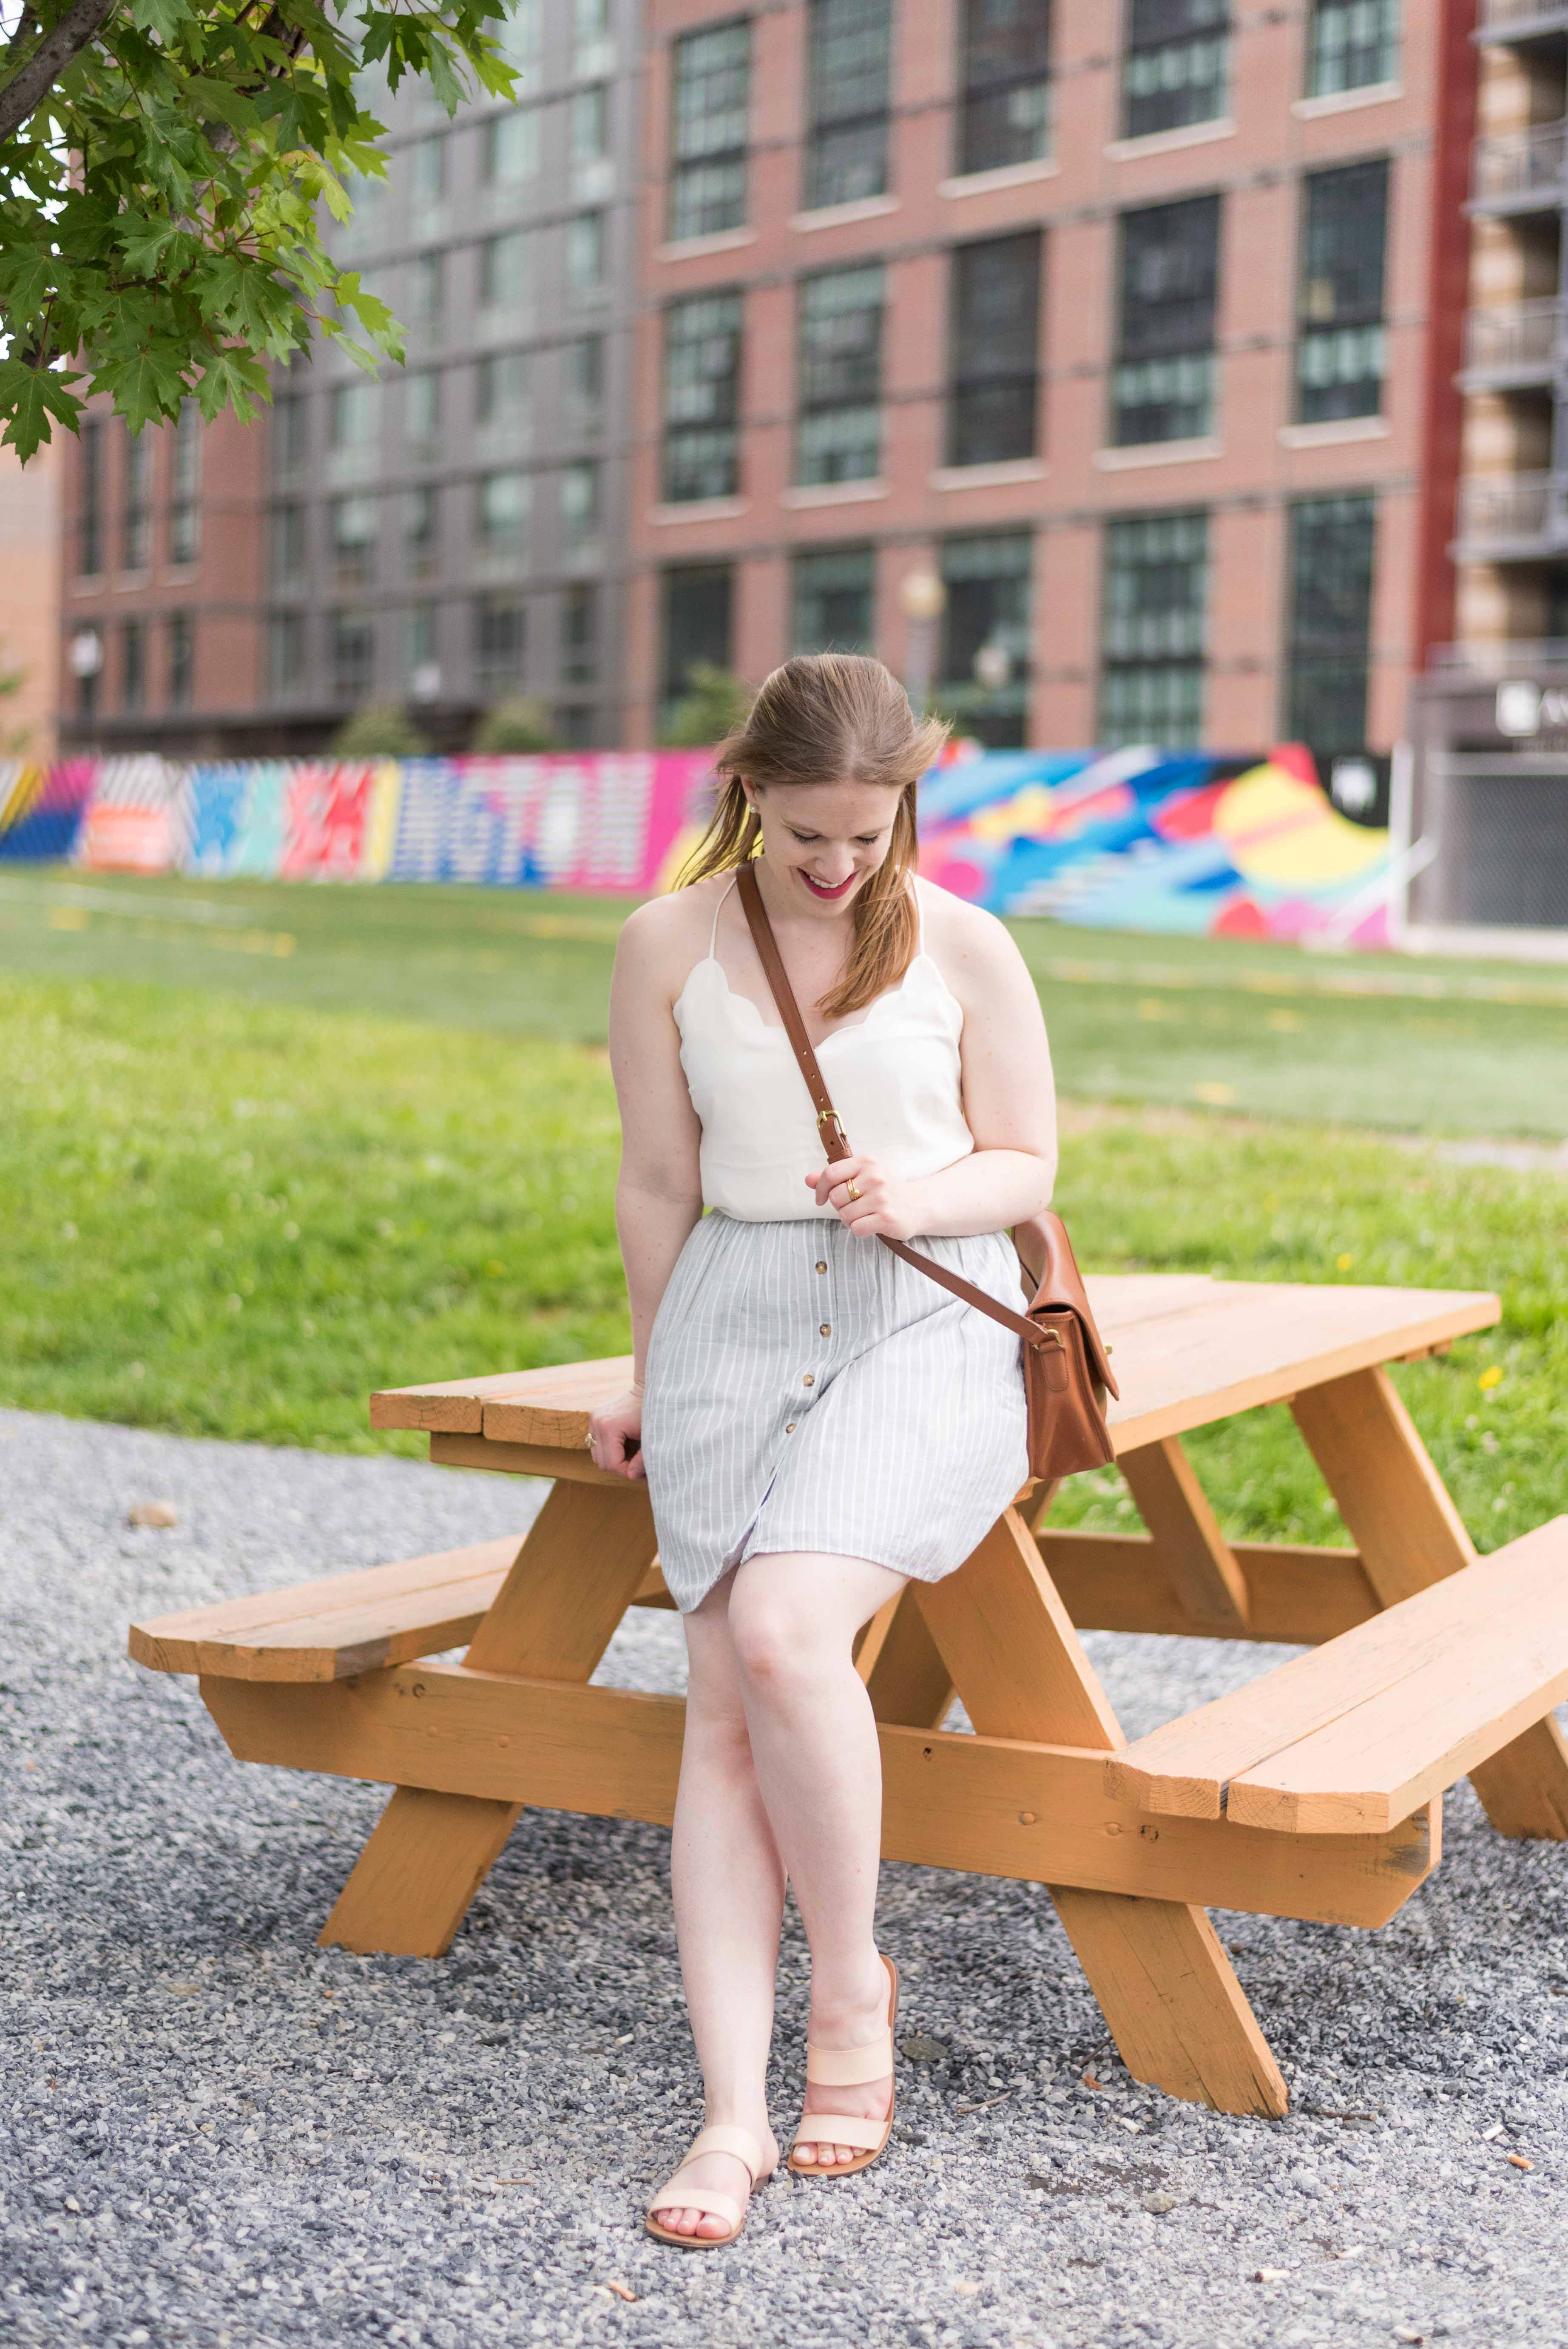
x,y
834,1140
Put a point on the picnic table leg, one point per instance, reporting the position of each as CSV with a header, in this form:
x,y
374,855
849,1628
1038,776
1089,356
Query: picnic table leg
x,y
1410,1535
1164,1984
909,1684
572,1581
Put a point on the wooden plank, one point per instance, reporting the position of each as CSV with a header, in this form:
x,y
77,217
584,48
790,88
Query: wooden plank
x,y
1503,1669
1022,1673
323,1629
1194,1552
996,1806
1297,1594
587,1552
1410,1535
1007,1640
907,1680
1253,1343
1505,1616
1178,2015
573,1467
456,1406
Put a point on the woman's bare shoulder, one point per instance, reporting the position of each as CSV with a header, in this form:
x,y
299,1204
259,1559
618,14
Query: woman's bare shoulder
x,y
662,938
965,937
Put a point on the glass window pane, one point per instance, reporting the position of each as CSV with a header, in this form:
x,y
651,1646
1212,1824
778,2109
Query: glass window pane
x,y
1007,105
702,378
1164,379
1176,69
694,616
510,148
1340,348
840,368
994,358
1153,630
710,105
833,599
849,56
1353,44
1329,626
985,659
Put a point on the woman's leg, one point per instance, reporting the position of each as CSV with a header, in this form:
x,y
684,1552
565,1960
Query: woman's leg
x,y
729,1883
792,1622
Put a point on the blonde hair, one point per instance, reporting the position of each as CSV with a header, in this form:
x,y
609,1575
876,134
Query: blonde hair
x,y
830,717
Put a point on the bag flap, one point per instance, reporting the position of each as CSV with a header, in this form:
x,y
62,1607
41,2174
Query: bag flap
x,y
1047,1255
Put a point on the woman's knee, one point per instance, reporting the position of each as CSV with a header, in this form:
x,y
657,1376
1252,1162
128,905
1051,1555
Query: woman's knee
x,y
775,1650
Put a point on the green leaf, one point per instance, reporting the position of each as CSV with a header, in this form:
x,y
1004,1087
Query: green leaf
x,y
227,104
29,396
165,17
148,386
26,281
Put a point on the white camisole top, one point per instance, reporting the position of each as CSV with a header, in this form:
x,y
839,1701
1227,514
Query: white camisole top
x,y
894,1074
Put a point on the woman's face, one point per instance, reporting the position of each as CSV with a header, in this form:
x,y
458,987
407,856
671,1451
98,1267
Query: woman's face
x,y
822,841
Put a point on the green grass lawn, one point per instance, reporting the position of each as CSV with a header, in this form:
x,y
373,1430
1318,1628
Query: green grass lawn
x,y
235,1217
1268,1030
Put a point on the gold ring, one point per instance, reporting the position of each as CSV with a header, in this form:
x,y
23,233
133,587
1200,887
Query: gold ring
x,y
851,1189
588,1443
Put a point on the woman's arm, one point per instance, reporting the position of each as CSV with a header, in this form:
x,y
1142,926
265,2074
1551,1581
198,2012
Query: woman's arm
x,y
658,1194
1009,1101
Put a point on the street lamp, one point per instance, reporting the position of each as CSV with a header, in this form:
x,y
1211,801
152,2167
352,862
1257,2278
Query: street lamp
x,y
923,599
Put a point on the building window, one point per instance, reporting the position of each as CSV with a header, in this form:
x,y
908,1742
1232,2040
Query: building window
x,y
89,521
585,254
833,600
984,665
180,673
1339,354
1352,44
353,641
422,411
352,532
1327,644
841,376
505,505
1177,66
591,169
593,42
1153,630
694,624
510,153
710,103
993,334
430,289
428,170
290,435
420,663
1007,73
1163,384
185,486
287,544
582,381
421,545
579,502
285,651
579,634
136,505
521,31
132,665
498,642
506,269
849,71
351,414
702,396
503,390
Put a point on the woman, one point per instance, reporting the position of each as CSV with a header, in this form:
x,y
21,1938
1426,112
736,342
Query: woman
x,y
818,1422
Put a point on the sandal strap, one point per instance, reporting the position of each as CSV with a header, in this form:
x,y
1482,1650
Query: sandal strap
x,y
725,2137
843,2128
706,2199
850,2067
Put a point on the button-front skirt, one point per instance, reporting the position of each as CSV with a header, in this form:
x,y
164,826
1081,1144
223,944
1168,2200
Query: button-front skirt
x,y
808,1391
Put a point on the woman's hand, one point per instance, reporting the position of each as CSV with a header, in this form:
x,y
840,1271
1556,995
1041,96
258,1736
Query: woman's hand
x,y
882,1205
615,1429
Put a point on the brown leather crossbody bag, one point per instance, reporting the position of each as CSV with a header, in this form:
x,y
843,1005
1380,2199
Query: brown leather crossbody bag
x,y
1066,1373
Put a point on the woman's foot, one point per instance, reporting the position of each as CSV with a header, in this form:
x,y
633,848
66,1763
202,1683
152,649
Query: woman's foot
x,y
719,2173
855,2026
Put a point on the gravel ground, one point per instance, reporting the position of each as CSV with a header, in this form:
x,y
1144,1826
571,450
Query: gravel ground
x,y
218,2133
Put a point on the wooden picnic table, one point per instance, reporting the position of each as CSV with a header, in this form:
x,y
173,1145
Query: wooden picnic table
x,y
1314,1792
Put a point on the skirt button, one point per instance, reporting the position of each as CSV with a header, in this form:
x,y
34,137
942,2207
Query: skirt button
x,y
790,1429
825,1330
821,1266
809,1380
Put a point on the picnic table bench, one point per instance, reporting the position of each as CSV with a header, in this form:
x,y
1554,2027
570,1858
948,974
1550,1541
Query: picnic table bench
x,y
1315,1791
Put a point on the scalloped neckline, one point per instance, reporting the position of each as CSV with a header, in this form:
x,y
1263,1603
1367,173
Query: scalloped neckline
x,y
777,1028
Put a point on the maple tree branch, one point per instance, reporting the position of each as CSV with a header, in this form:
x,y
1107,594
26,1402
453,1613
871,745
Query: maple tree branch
x,y
60,47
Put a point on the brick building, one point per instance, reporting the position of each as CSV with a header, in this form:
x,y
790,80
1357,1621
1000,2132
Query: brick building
x,y
446,534
1127,317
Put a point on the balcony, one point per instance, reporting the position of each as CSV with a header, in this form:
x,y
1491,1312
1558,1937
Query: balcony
x,y
1511,518
1517,171
1522,22
1514,346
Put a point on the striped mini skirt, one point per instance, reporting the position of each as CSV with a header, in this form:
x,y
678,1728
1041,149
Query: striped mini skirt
x,y
808,1391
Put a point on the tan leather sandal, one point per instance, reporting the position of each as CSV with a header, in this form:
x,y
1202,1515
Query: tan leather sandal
x,y
721,2138
849,2068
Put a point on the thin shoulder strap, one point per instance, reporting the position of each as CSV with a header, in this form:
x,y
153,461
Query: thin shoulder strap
x,y
919,914
713,934
834,1140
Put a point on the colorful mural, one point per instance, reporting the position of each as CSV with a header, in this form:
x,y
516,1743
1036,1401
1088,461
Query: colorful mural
x,y
1146,840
